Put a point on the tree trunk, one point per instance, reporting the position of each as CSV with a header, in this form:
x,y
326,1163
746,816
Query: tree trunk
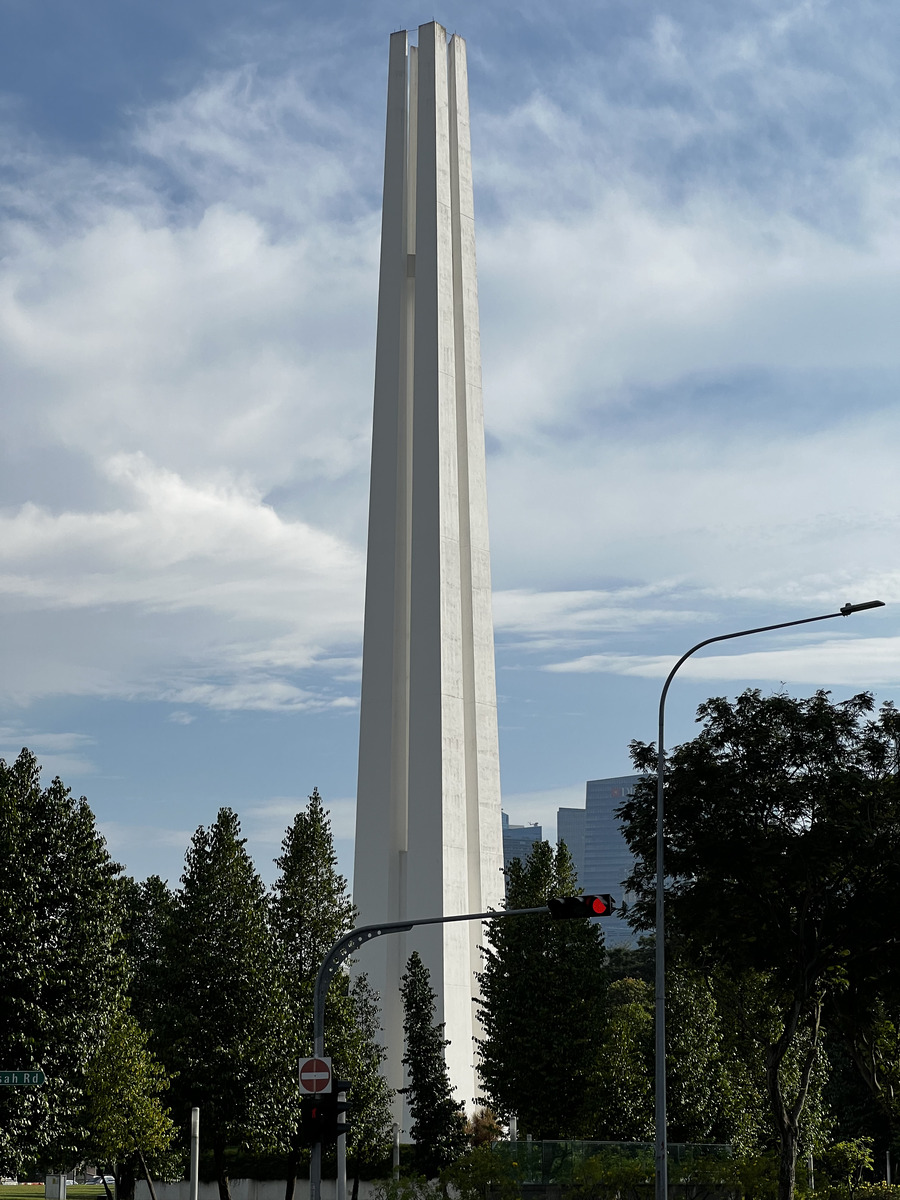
x,y
221,1171
126,1177
291,1175
787,1118
787,1164
147,1174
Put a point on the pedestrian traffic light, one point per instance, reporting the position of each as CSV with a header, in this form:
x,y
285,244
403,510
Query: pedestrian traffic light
x,y
321,1115
313,1118
561,908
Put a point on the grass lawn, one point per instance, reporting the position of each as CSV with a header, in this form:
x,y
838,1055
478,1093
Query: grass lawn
x,y
35,1191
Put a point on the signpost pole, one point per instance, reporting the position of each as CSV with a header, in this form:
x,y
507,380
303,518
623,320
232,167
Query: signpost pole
x,y
195,1153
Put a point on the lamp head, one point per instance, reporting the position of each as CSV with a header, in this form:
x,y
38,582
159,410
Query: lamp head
x,y
847,609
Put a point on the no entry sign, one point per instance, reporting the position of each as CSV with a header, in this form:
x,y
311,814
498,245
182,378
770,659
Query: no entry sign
x,y
315,1076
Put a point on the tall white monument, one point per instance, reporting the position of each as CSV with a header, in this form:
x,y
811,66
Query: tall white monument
x,y
428,834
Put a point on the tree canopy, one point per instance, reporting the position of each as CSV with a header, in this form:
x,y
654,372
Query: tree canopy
x,y
311,910
782,825
222,1028
438,1120
542,995
61,961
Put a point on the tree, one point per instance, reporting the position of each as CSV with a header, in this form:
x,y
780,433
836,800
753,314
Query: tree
x,y
221,1028
783,851
311,910
149,906
126,1115
61,961
439,1121
541,1006
621,1093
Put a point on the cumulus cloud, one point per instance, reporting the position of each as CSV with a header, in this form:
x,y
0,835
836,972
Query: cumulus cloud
x,y
689,361
246,593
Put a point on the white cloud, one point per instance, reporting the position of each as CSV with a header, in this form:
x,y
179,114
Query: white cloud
x,y
529,808
219,582
63,754
848,661
267,820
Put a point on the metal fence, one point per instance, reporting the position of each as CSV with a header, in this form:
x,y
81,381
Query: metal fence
x,y
564,1162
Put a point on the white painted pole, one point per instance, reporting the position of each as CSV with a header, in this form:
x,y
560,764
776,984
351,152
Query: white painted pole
x,y
396,1159
513,1129
195,1153
342,1158
887,1163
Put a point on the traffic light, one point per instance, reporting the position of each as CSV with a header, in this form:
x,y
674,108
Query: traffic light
x,y
320,1116
313,1118
338,1125
561,908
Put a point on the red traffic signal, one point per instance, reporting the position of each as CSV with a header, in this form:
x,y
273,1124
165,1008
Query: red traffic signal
x,y
562,908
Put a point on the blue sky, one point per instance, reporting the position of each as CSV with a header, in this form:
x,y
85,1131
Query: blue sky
x,y
689,269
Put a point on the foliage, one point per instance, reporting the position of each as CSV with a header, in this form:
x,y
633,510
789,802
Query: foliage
x,y
467,1178
632,962
125,1111
438,1121
783,852
483,1128
846,1163
149,906
613,1176
222,1025
61,961
311,910
621,1096
542,996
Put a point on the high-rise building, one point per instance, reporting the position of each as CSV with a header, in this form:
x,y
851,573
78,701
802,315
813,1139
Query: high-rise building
x,y
570,829
518,840
428,835
606,860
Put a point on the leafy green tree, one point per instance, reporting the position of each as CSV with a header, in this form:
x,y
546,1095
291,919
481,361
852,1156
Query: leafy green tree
x,y
126,1114
783,852
621,1096
61,962
149,906
542,995
221,1029
438,1121
311,910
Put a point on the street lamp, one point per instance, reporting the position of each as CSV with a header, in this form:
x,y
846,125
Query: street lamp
x,y
662,1168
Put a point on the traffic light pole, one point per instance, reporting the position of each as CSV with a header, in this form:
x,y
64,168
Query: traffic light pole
x,y
662,1149
334,959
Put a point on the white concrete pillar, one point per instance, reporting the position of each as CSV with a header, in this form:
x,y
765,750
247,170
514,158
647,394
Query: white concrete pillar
x,y
428,837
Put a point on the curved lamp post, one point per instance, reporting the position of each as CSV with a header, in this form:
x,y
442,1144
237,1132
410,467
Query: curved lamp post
x,y
662,1167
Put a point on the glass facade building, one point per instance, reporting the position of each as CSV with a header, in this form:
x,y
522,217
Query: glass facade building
x,y
605,860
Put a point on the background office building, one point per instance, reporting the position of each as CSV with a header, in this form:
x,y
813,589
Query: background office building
x,y
518,840
570,829
602,857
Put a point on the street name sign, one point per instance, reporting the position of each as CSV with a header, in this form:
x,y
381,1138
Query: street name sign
x,y
315,1076
21,1078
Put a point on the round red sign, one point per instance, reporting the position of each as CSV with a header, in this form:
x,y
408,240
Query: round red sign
x,y
315,1075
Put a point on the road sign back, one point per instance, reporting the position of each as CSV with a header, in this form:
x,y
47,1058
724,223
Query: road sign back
x,y
315,1076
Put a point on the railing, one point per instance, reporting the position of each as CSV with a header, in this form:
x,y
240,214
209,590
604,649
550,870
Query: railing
x,y
562,1162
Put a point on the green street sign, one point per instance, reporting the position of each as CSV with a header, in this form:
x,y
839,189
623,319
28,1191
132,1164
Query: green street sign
x,y
21,1078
